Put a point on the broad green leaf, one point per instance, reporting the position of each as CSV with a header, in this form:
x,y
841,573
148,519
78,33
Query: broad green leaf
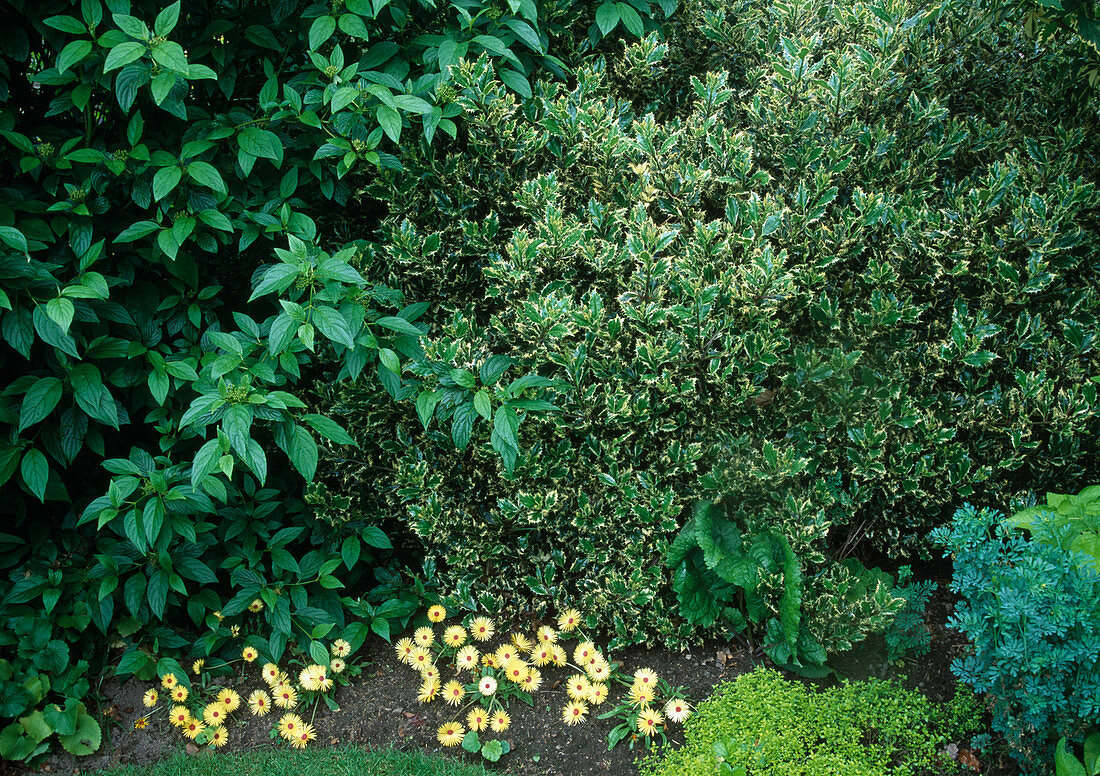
x,y
166,19
399,325
607,16
483,405
516,82
333,325
349,551
260,142
206,174
329,429
136,231
165,180
39,401
376,537
61,312
206,461
630,19
390,121
425,406
14,238
320,31
73,53
493,368
303,452
36,472
527,34
132,26
123,54
353,25
390,360
66,24
237,425
169,54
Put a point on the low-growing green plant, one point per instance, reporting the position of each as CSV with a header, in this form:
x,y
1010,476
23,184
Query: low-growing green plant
x,y
765,725
1031,611
1065,764
1069,522
906,634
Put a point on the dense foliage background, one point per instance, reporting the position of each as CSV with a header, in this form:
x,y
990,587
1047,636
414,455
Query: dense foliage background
x,y
683,319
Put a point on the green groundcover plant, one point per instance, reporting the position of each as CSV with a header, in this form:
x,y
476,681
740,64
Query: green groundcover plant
x,y
766,725
826,266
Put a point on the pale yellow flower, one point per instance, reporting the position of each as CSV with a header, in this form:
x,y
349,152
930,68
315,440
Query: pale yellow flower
x,y
578,686
597,694
453,692
500,721
420,658
149,700
428,690
249,654
341,648
218,736
179,693
547,635
477,719
270,673
286,697
532,681
229,699
583,653
645,676
677,710
213,714
482,628
424,637
168,681
467,658
454,636
302,736
437,613
192,728
574,713
259,703
521,642
505,653
337,665
569,620
559,655
179,716
404,649
256,606
197,666
289,725
450,734
487,686
648,721
640,695
515,670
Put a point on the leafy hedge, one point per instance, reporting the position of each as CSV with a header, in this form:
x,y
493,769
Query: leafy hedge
x,y
177,266
843,278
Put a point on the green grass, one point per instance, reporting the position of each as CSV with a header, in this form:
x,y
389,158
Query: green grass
x,y
331,761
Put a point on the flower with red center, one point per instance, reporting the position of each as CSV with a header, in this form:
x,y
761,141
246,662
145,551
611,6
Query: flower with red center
x,y
453,692
648,721
482,628
574,713
569,620
437,613
450,733
677,710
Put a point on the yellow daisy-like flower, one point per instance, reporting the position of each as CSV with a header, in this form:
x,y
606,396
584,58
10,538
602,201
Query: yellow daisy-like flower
x,y
140,723
235,631
521,642
487,686
583,653
648,721
149,699
217,737
505,653
219,615
309,678
286,697
337,665
289,725
500,721
646,677
543,655
489,660
168,681
677,710
532,681
270,673
179,716
197,666
515,670
482,628
597,693
424,637
192,728
259,703
454,636
248,654
229,699
640,695
559,655
404,649
477,719
578,687
341,648
467,658
179,693
450,734
547,635
428,690
437,613
454,692
429,674
256,606
598,671
213,714
420,658
574,713
569,620
302,736
324,681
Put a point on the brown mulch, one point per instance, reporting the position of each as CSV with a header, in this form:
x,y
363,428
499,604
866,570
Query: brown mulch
x,y
379,709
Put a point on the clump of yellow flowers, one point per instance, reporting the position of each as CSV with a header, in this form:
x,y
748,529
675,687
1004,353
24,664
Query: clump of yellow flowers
x,y
486,677
202,710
